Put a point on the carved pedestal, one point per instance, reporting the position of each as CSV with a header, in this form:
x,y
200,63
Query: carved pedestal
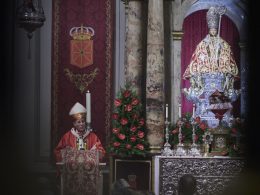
x,y
212,174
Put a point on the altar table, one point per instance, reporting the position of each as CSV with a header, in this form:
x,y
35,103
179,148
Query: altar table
x,y
213,174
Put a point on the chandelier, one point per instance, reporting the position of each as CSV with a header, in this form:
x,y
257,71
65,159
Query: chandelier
x,y
30,16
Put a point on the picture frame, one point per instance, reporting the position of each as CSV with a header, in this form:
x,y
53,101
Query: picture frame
x,y
137,172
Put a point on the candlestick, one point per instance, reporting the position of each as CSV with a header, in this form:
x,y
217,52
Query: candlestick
x,y
167,151
180,150
194,150
88,105
166,112
179,110
193,111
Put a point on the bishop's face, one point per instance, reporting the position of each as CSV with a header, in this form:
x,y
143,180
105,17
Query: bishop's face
x,y
80,124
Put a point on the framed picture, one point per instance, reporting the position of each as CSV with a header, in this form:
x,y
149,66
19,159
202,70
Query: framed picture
x,y
136,172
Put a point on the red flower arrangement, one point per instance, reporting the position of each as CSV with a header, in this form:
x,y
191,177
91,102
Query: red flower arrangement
x,y
200,128
128,136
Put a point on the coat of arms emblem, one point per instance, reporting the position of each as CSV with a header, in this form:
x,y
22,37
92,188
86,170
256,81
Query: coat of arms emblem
x,y
81,46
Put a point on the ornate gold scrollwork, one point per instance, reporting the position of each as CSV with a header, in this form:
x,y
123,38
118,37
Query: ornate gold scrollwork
x,y
81,81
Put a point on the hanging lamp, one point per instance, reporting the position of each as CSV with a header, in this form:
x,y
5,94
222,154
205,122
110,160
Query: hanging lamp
x,y
30,16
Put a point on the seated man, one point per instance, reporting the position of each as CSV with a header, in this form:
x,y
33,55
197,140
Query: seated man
x,y
78,137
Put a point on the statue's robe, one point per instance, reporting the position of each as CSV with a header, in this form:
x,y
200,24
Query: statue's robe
x,y
212,55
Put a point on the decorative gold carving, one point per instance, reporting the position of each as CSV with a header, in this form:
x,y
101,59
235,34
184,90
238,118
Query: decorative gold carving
x,y
177,35
81,81
155,149
108,62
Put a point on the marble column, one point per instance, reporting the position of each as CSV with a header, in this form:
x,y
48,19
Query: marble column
x,y
179,7
155,76
244,79
176,72
134,45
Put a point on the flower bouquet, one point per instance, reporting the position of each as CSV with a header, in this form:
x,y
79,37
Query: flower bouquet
x,y
128,125
200,128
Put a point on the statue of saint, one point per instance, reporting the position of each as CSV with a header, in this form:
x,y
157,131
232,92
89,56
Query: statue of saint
x,y
212,54
212,68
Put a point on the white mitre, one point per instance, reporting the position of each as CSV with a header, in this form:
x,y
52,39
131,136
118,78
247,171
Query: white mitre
x,y
77,111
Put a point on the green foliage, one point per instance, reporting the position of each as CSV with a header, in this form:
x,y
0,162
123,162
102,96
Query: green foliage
x,y
128,125
200,128
235,139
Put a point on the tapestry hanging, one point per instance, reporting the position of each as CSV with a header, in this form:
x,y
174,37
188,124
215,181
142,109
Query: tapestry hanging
x,y
82,53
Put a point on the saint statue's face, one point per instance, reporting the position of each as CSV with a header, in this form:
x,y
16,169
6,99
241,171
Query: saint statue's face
x,y
213,32
80,124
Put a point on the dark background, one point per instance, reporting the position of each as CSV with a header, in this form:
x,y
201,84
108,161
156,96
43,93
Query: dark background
x,y
253,135
15,178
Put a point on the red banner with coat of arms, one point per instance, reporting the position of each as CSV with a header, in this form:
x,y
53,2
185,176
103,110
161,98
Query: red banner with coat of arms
x,y
82,53
81,47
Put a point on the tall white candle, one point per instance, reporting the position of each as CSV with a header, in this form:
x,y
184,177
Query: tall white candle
x,y
193,111
179,110
166,112
88,105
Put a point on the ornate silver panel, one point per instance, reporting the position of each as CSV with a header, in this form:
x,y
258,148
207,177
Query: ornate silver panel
x,y
212,174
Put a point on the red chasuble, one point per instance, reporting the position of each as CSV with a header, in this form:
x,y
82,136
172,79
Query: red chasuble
x,y
70,140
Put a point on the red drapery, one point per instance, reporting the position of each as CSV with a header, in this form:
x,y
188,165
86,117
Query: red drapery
x,y
195,29
66,78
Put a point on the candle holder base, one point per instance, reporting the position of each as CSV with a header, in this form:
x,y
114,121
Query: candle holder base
x,y
194,151
167,151
180,151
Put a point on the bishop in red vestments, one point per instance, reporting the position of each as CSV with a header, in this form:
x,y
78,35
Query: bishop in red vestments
x,y
78,137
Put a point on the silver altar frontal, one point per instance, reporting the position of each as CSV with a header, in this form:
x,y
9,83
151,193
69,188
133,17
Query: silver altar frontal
x,y
213,174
